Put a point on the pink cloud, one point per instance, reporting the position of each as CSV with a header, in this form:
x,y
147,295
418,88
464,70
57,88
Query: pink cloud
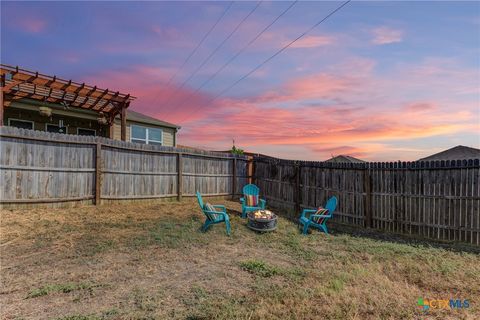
x,y
313,42
386,35
309,125
349,117
420,107
154,96
373,114
329,150
167,34
32,24
310,87
70,57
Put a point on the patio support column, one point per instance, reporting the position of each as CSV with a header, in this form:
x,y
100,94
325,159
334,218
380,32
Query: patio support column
x,y
2,85
111,129
1,106
123,117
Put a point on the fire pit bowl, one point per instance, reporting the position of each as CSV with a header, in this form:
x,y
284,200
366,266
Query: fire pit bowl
x,y
262,220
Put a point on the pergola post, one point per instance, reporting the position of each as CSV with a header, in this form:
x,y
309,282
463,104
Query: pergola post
x,y
1,106
111,129
123,116
2,85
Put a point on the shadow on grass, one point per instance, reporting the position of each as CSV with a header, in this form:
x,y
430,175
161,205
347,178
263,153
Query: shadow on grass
x,y
339,229
335,228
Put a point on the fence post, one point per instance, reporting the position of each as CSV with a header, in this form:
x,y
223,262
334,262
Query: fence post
x,y
250,169
367,180
179,176
298,189
253,178
98,173
234,177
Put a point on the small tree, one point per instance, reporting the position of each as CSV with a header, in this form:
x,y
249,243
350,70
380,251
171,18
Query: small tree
x,y
235,150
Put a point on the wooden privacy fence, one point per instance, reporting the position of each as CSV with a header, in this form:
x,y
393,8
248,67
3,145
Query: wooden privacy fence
x,y
41,167
432,199
439,200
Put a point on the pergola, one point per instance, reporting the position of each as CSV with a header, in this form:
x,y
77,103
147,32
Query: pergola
x,y
18,84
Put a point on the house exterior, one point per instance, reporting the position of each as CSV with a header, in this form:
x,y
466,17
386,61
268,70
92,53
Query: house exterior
x,y
456,153
344,159
145,129
34,101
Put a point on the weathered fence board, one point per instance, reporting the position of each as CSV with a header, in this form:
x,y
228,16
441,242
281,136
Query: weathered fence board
x,y
129,174
436,200
33,171
39,167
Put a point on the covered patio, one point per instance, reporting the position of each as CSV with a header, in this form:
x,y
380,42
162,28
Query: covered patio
x,y
52,95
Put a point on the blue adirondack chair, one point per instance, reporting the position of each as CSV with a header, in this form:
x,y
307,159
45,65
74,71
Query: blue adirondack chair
x,y
309,221
251,189
213,217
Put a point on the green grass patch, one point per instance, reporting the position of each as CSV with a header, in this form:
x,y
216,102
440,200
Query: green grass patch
x,y
293,243
259,268
60,288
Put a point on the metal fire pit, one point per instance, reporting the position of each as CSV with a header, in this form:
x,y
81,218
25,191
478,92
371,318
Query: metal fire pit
x,y
262,224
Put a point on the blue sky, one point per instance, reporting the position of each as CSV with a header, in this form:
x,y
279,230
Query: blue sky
x,y
377,80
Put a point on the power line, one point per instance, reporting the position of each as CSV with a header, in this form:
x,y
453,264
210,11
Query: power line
x,y
238,53
198,46
200,43
217,48
274,55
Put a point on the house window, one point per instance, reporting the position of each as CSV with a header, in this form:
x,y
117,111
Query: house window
x,y
55,128
22,124
139,134
86,132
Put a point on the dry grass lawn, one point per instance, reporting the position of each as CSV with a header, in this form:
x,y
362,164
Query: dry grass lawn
x,y
150,261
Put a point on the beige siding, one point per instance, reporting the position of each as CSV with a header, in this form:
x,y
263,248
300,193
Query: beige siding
x,y
168,134
117,131
168,137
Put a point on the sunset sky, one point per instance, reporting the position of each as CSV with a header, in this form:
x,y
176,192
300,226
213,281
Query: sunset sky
x,y
377,80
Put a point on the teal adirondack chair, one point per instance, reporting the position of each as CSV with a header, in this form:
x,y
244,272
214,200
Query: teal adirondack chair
x,y
308,221
213,217
251,189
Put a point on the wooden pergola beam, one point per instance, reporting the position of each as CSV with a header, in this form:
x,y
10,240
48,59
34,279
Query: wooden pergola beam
x,y
49,82
100,97
87,96
8,87
20,83
77,92
75,89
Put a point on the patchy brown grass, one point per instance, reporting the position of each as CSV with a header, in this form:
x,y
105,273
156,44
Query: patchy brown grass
x,y
150,261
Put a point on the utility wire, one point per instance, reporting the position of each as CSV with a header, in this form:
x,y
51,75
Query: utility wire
x,y
238,53
217,48
274,55
197,47
200,43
